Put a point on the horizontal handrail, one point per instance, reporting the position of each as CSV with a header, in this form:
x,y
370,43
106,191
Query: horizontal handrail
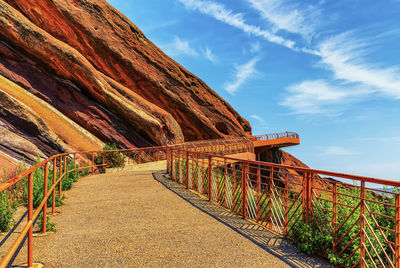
x,y
269,194
255,177
273,136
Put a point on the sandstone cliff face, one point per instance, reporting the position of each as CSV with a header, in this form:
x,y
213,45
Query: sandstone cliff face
x,y
75,74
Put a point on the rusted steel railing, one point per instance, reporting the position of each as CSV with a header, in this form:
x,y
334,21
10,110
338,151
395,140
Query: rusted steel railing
x,y
53,171
219,146
355,219
274,136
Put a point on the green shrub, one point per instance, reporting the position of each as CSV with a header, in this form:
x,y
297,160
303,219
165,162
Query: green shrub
x,y
6,212
112,159
50,226
312,237
38,185
70,178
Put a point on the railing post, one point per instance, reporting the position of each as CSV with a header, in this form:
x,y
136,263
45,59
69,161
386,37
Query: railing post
x,y
334,216
286,203
209,178
53,204
310,196
187,169
233,183
397,231
226,179
65,165
46,174
270,189
305,196
362,228
171,162
76,170
258,191
177,165
168,160
30,214
244,189
60,177
140,156
92,163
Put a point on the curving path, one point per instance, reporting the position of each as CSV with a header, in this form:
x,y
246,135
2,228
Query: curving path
x,y
140,218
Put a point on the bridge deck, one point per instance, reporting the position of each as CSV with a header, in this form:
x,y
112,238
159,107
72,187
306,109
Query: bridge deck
x,y
136,218
279,143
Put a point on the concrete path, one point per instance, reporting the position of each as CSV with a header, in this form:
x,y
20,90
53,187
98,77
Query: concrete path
x,y
140,218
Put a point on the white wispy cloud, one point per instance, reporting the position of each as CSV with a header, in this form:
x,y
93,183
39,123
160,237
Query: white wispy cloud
x,y
241,74
345,57
158,26
255,47
392,140
289,16
179,47
336,150
317,97
258,118
208,54
220,12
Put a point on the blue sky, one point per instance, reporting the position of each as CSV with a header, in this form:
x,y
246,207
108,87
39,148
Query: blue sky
x,y
328,70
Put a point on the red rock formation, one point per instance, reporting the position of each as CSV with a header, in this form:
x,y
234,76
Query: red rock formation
x,y
75,74
279,156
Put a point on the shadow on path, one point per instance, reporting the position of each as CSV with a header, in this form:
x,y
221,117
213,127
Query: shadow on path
x,y
268,241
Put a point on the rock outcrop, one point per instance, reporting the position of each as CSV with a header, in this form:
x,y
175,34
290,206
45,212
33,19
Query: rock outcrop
x,y
75,74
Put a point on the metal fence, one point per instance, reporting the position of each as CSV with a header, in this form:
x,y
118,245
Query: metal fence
x,y
353,220
274,136
50,174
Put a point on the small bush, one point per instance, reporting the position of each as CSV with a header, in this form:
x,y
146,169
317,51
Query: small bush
x,y
50,226
70,178
112,159
6,213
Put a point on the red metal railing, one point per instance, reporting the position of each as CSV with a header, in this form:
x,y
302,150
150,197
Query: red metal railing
x,y
274,136
219,146
358,222
357,217
59,166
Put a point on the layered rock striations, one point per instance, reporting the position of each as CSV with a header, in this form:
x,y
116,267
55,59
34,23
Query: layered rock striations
x,y
75,74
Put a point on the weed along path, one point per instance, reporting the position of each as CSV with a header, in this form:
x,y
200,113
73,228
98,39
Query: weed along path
x,y
140,218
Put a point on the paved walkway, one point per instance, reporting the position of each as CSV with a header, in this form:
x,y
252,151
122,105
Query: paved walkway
x,y
140,218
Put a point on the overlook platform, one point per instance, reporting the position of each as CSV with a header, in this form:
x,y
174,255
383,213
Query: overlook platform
x,y
278,140
266,142
141,218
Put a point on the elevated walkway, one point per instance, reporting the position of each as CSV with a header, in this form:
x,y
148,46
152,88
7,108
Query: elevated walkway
x,y
266,142
278,140
141,218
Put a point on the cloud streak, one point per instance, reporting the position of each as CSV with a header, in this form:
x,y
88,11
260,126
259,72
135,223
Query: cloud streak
x,y
208,54
313,97
241,74
180,47
225,15
258,118
344,55
289,17
336,150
